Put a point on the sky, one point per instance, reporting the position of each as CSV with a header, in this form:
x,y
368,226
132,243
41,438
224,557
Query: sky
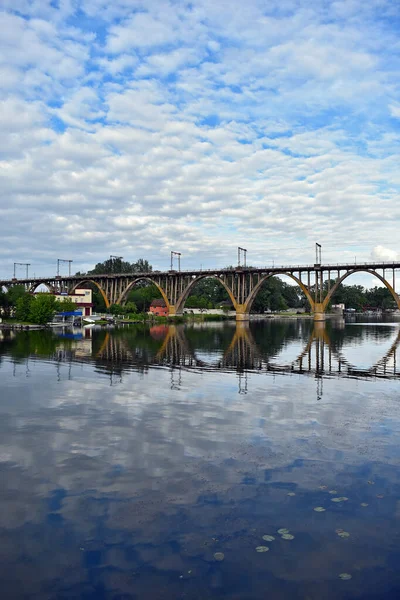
x,y
135,128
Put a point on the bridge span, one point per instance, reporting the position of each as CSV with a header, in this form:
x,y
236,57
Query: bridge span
x,y
318,282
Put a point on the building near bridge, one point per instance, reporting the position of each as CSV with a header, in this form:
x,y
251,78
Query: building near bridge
x,y
82,298
159,308
338,309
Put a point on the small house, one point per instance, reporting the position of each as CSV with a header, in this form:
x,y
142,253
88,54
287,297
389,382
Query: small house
x,y
159,308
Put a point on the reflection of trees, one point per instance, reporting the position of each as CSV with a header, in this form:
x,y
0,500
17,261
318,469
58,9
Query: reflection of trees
x,y
22,344
240,347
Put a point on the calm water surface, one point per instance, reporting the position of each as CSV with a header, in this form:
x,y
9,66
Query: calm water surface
x,y
130,457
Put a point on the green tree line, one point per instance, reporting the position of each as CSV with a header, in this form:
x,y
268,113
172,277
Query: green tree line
x,y
25,307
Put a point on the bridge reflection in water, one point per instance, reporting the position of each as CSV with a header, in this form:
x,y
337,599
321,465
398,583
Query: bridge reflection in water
x,y
297,347
322,353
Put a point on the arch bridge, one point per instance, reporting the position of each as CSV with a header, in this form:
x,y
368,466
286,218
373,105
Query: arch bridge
x,y
318,282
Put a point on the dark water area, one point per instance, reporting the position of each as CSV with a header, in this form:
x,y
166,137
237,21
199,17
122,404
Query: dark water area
x,y
133,459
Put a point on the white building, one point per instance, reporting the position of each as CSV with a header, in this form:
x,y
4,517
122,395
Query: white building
x,y
82,298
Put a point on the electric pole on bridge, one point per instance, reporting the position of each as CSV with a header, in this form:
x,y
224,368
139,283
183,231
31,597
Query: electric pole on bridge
x,y
178,255
317,253
27,265
62,260
240,252
319,282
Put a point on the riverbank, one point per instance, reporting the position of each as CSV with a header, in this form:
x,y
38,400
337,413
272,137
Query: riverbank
x,y
22,326
185,318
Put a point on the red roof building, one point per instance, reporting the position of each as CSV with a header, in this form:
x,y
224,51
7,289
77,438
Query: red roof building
x,y
159,308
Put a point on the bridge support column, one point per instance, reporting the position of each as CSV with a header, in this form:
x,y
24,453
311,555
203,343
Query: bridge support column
x,y
172,312
319,313
241,314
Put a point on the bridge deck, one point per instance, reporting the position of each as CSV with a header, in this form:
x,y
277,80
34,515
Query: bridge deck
x,y
278,270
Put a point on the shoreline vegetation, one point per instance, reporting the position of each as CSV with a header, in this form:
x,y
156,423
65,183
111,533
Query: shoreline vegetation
x,y
143,318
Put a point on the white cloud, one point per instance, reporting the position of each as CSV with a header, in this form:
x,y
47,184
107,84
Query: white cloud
x,y
203,127
169,62
395,110
118,65
384,254
142,30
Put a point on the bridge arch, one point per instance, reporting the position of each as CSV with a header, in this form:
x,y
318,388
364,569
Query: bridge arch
x,y
320,333
102,292
256,289
343,277
389,354
186,292
132,284
337,353
35,286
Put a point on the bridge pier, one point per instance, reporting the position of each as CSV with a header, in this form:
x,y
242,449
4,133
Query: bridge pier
x,y
319,313
172,312
241,314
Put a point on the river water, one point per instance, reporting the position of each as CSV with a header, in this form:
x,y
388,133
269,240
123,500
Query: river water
x,y
133,460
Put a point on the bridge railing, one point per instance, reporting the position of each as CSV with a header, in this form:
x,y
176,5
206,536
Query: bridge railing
x,y
265,268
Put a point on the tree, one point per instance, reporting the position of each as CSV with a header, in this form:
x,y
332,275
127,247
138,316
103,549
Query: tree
x,y
15,292
43,308
9,299
116,309
380,297
97,298
65,305
198,302
352,296
130,307
117,265
3,302
143,296
209,292
276,295
23,307
142,266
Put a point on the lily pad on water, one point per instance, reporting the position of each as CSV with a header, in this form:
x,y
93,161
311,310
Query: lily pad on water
x,y
219,556
262,549
364,504
280,531
291,494
332,491
371,482
380,496
319,509
287,536
339,530
268,538
345,576
341,499
344,534
323,487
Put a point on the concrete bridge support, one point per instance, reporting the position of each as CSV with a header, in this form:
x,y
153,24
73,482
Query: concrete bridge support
x,y
173,312
319,312
241,314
